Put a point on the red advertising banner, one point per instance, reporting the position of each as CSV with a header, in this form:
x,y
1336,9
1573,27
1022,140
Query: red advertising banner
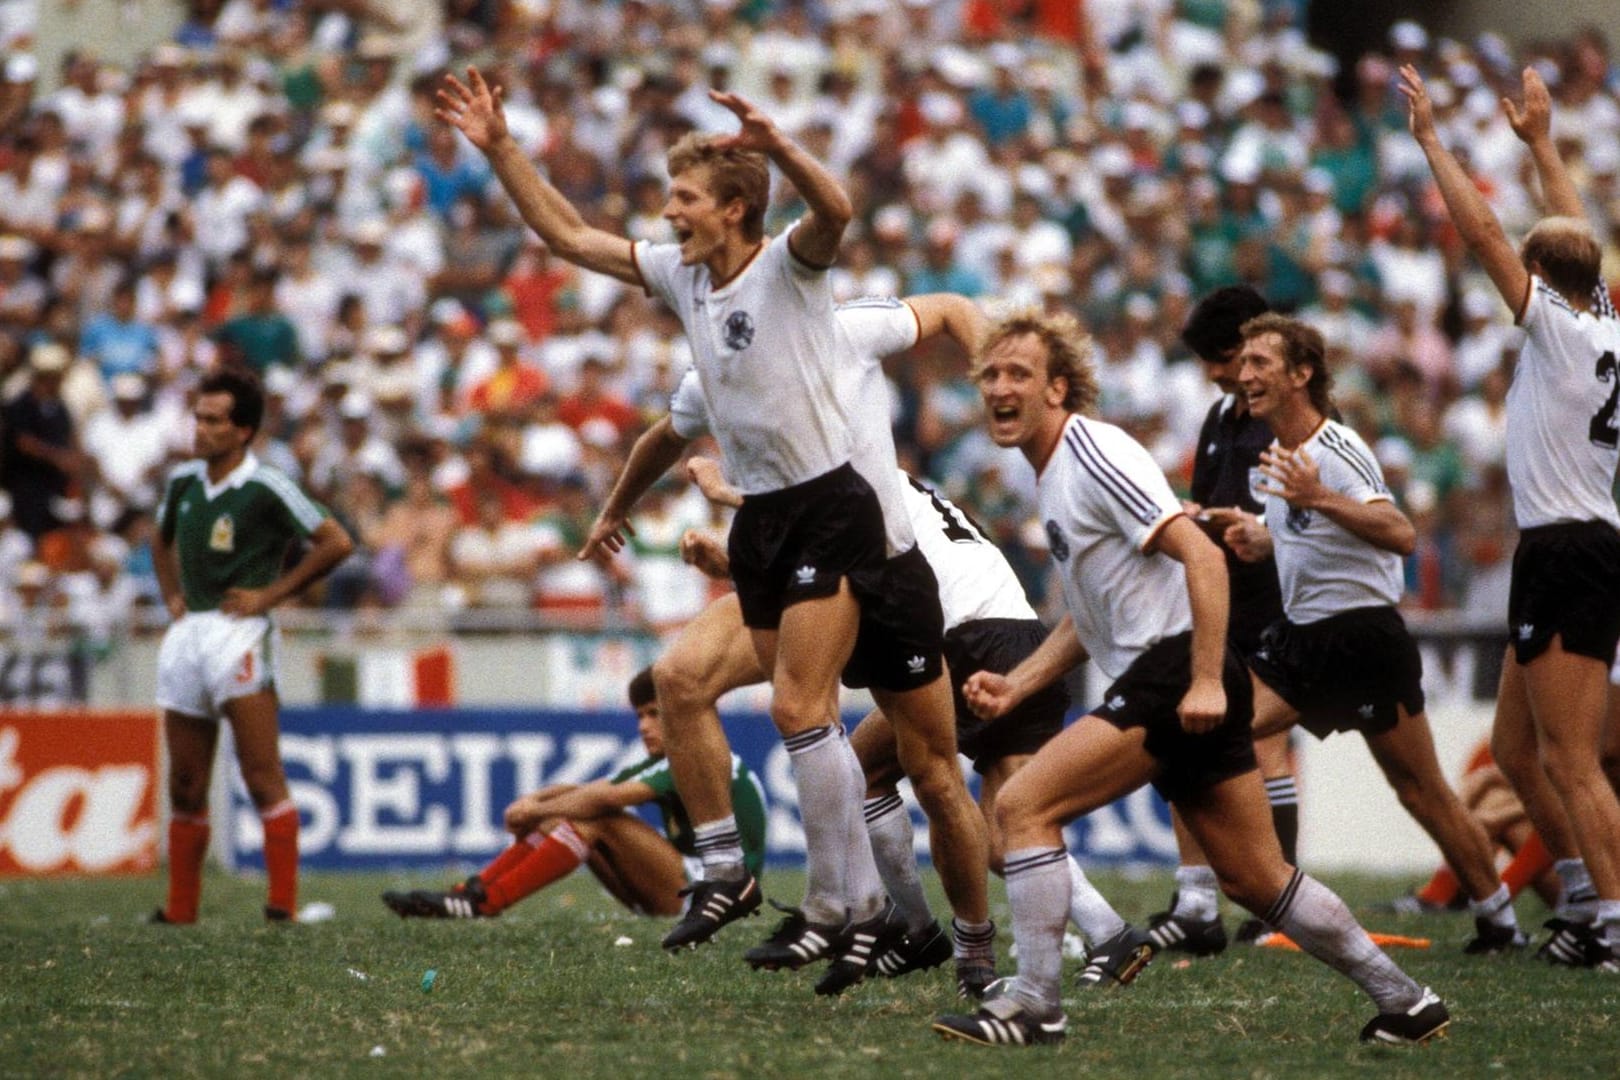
x,y
78,792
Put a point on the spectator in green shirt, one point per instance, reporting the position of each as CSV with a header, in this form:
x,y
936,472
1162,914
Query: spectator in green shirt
x,y
261,337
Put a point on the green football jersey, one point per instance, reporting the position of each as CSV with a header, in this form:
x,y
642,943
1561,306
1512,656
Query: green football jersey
x,y
747,804
235,534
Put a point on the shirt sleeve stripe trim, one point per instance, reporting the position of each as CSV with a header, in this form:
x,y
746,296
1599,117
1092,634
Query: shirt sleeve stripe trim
x,y
1353,457
1165,518
1122,487
302,507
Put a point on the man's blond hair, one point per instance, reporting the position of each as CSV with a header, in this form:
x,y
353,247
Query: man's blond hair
x,y
1567,256
731,174
1068,351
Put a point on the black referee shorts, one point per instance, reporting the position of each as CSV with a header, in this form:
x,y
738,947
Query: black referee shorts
x,y
798,543
1566,583
901,638
1347,672
999,645
1147,695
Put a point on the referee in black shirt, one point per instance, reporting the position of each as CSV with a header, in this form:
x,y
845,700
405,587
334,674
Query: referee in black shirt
x,y
1223,502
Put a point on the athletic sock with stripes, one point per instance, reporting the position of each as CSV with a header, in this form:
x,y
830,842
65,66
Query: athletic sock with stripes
x,y
719,848
829,806
1038,892
188,846
1577,897
281,856
1314,917
1607,922
1089,909
1283,795
888,826
551,856
1198,894
973,941
1497,908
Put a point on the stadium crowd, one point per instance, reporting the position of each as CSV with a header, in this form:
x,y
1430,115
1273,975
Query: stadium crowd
x,y
271,186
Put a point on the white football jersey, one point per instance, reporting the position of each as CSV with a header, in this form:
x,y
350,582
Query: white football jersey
x,y
975,581
1563,442
764,346
867,330
1103,500
1324,568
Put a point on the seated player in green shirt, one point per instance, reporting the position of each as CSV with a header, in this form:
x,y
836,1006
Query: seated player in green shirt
x,y
562,826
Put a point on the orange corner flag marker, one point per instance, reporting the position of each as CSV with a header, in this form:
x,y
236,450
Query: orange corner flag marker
x,y
1282,941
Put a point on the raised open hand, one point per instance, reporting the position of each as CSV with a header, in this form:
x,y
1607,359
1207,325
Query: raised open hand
x,y
759,132
1420,110
1293,475
473,108
1534,121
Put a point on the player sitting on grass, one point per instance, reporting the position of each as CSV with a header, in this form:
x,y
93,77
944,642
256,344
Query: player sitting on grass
x,y
563,825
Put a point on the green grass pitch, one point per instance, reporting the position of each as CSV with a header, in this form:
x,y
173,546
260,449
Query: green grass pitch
x,y
90,990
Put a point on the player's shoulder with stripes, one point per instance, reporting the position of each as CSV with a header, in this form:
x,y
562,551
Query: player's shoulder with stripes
x,y
1338,444
281,486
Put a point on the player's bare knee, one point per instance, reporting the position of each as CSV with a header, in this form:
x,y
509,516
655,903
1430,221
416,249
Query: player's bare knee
x,y
266,783
1015,814
792,715
188,793
679,686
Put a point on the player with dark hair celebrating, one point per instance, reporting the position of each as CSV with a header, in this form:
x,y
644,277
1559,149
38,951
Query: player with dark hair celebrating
x,y
1223,498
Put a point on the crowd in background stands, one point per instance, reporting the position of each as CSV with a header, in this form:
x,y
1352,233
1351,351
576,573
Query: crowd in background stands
x,y
271,187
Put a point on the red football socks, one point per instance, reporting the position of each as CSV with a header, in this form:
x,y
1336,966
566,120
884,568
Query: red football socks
x,y
1532,860
188,845
554,857
1442,889
281,855
510,857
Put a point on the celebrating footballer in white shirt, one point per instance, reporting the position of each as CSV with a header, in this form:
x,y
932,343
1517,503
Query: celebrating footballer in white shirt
x,y
1563,445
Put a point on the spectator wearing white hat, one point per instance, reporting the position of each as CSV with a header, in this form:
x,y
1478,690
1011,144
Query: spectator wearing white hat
x,y
27,201
357,449
101,600
392,293
1037,240
451,360
92,115
1002,109
30,607
945,158
307,297
42,457
85,274
1342,324
129,443
220,209
415,236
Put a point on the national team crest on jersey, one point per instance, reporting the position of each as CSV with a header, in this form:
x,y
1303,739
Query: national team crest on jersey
x,y
223,536
1257,485
1056,542
739,330
1299,519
